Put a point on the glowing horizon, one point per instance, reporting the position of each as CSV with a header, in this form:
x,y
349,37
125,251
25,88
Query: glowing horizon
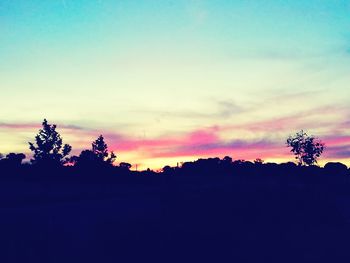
x,y
174,81
155,153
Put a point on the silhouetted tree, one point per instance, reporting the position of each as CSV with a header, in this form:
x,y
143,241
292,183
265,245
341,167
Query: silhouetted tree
x,y
86,158
49,148
226,163
98,155
168,169
125,166
307,149
336,168
100,149
14,159
258,161
238,162
227,160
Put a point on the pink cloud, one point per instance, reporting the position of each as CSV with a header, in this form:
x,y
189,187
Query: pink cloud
x,y
337,140
204,142
299,120
238,149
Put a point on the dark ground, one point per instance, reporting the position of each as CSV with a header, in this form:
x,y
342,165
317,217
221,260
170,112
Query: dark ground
x,y
175,219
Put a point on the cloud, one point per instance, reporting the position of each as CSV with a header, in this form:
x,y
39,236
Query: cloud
x,y
32,126
342,152
308,119
238,148
219,109
228,108
344,125
201,142
18,126
335,140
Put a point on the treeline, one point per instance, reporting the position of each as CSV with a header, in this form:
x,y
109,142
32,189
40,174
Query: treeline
x,y
52,156
49,152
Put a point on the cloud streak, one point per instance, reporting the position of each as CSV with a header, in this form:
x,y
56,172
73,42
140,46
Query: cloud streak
x,y
203,142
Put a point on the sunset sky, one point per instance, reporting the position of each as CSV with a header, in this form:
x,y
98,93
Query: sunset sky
x,y
175,80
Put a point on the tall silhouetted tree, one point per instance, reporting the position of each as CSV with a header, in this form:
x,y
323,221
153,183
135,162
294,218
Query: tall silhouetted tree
x,y
98,155
48,148
307,149
100,149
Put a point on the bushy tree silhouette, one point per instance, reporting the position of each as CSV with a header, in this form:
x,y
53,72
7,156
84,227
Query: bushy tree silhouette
x,y
98,155
86,158
258,161
15,159
227,160
48,148
125,166
307,149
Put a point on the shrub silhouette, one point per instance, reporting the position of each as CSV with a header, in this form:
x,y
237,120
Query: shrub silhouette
x,y
125,166
11,161
86,158
336,168
307,149
48,148
258,161
168,170
15,159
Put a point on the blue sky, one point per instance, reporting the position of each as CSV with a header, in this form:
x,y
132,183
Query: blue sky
x,y
151,70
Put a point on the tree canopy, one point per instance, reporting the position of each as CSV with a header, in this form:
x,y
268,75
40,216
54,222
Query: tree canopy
x,y
100,149
98,155
48,147
307,149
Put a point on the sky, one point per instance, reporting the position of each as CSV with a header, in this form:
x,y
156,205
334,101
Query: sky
x,y
176,80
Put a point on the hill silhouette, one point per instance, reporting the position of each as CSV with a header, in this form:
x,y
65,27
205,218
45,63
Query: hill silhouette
x,y
62,208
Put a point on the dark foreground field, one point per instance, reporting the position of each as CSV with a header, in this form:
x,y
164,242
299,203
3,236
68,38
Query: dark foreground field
x,y
175,219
